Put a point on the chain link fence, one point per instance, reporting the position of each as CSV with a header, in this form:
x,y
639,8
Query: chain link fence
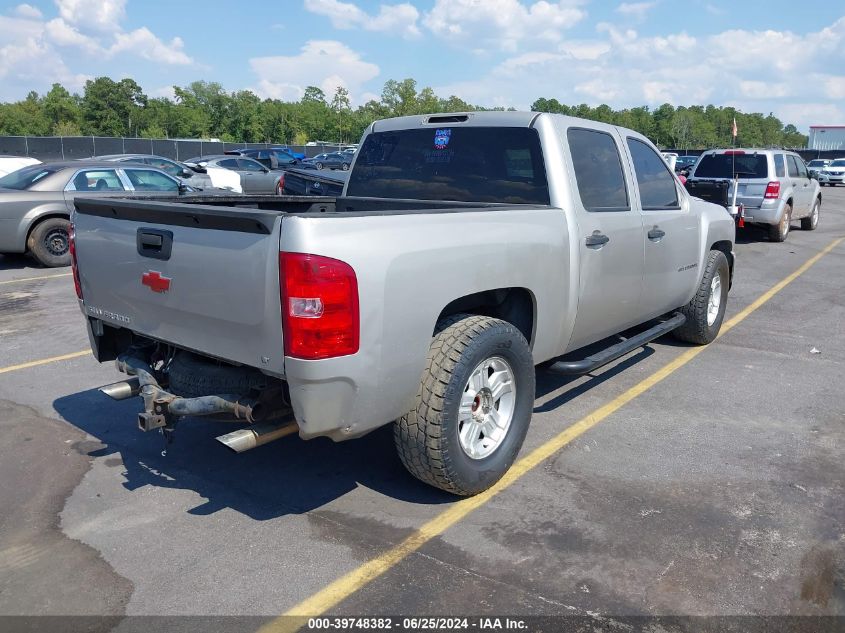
x,y
50,148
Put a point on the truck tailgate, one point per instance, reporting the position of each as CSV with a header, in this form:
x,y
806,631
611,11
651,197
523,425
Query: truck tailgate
x,y
216,292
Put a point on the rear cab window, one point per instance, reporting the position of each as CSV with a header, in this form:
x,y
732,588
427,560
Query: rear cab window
x,y
727,165
461,164
598,170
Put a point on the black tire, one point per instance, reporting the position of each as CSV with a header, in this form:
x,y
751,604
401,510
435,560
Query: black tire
x,y
779,232
812,221
696,329
427,437
345,166
192,376
318,165
49,242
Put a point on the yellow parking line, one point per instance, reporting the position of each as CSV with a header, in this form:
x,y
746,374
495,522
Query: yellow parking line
x,y
17,281
43,361
346,585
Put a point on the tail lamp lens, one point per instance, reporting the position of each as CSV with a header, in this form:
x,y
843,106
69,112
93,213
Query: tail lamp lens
x,y
73,265
772,190
320,316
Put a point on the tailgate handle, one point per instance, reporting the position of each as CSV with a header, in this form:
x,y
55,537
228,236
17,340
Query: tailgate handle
x,y
155,243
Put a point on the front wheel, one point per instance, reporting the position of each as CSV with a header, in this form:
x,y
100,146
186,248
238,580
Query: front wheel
x,y
812,221
318,165
473,406
345,166
706,311
49,242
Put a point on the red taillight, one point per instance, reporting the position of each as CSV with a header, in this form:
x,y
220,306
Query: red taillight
x,y
772,190
281,185
319,306
72,248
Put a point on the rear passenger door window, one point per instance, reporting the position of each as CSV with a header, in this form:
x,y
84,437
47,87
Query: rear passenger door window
x,y
598,170
793,166
780,168
149,180
654,181
96,180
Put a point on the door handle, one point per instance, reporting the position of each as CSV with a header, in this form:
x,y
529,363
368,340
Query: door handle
x,y
655,234
596,240
154,243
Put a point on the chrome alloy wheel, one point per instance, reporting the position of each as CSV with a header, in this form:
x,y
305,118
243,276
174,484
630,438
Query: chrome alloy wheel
x,y
487,407
714,302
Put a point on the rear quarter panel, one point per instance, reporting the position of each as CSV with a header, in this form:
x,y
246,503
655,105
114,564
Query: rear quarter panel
x,y
409,267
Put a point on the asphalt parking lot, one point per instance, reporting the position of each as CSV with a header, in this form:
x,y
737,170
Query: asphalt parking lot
x,y
716,490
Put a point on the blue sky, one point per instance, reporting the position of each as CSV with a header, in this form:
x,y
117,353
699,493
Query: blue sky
x,y
773,56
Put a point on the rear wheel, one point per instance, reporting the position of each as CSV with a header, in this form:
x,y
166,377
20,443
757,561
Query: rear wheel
x,y
345,166
49,242
473,406
706,311
779,231
812,221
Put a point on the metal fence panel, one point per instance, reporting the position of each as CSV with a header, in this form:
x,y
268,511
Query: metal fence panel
x,y
163,147
13,145
45,147
74,147
107,145
137,146
188,149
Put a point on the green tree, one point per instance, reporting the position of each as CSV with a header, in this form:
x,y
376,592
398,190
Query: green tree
x,y
111,108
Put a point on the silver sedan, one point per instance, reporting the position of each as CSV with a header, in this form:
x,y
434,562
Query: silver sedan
x,y
255,177
36,201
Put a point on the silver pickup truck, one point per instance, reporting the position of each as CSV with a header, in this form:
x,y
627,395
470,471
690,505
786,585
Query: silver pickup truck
x,y
467,249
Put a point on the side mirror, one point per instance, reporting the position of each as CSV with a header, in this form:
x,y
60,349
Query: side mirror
x,y
186,173
183,188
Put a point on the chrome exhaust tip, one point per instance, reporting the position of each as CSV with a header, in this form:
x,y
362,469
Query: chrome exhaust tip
x,y
246,439
124,389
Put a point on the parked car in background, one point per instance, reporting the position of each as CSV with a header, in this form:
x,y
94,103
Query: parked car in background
x,y
199,178
331,160
684,163
273,159
255,177
8,164
36,201
285,148
310,182
773,187
834,173
816,165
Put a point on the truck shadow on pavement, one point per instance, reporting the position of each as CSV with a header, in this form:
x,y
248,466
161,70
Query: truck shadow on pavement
x,y
290,476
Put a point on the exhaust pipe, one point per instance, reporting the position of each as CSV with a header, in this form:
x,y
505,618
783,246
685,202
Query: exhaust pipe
x,y
124,389
256,435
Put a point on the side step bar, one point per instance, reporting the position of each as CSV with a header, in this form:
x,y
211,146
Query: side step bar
x,y
610,354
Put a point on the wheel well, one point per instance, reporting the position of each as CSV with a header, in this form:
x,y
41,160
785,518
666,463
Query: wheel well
x,y
725,247
514,305
39,220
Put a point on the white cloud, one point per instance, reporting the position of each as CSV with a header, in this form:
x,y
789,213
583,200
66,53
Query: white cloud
x,y
326,64
395,18
144,43
93,15
635,10
27,11
61,33
757,71
506,25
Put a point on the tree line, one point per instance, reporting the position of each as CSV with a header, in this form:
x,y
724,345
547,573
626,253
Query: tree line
x,y
206,110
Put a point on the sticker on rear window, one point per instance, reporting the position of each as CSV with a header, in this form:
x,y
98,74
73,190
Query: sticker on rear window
x,y
441,138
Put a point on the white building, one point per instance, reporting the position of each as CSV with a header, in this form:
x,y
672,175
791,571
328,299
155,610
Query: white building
x,y
830,137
